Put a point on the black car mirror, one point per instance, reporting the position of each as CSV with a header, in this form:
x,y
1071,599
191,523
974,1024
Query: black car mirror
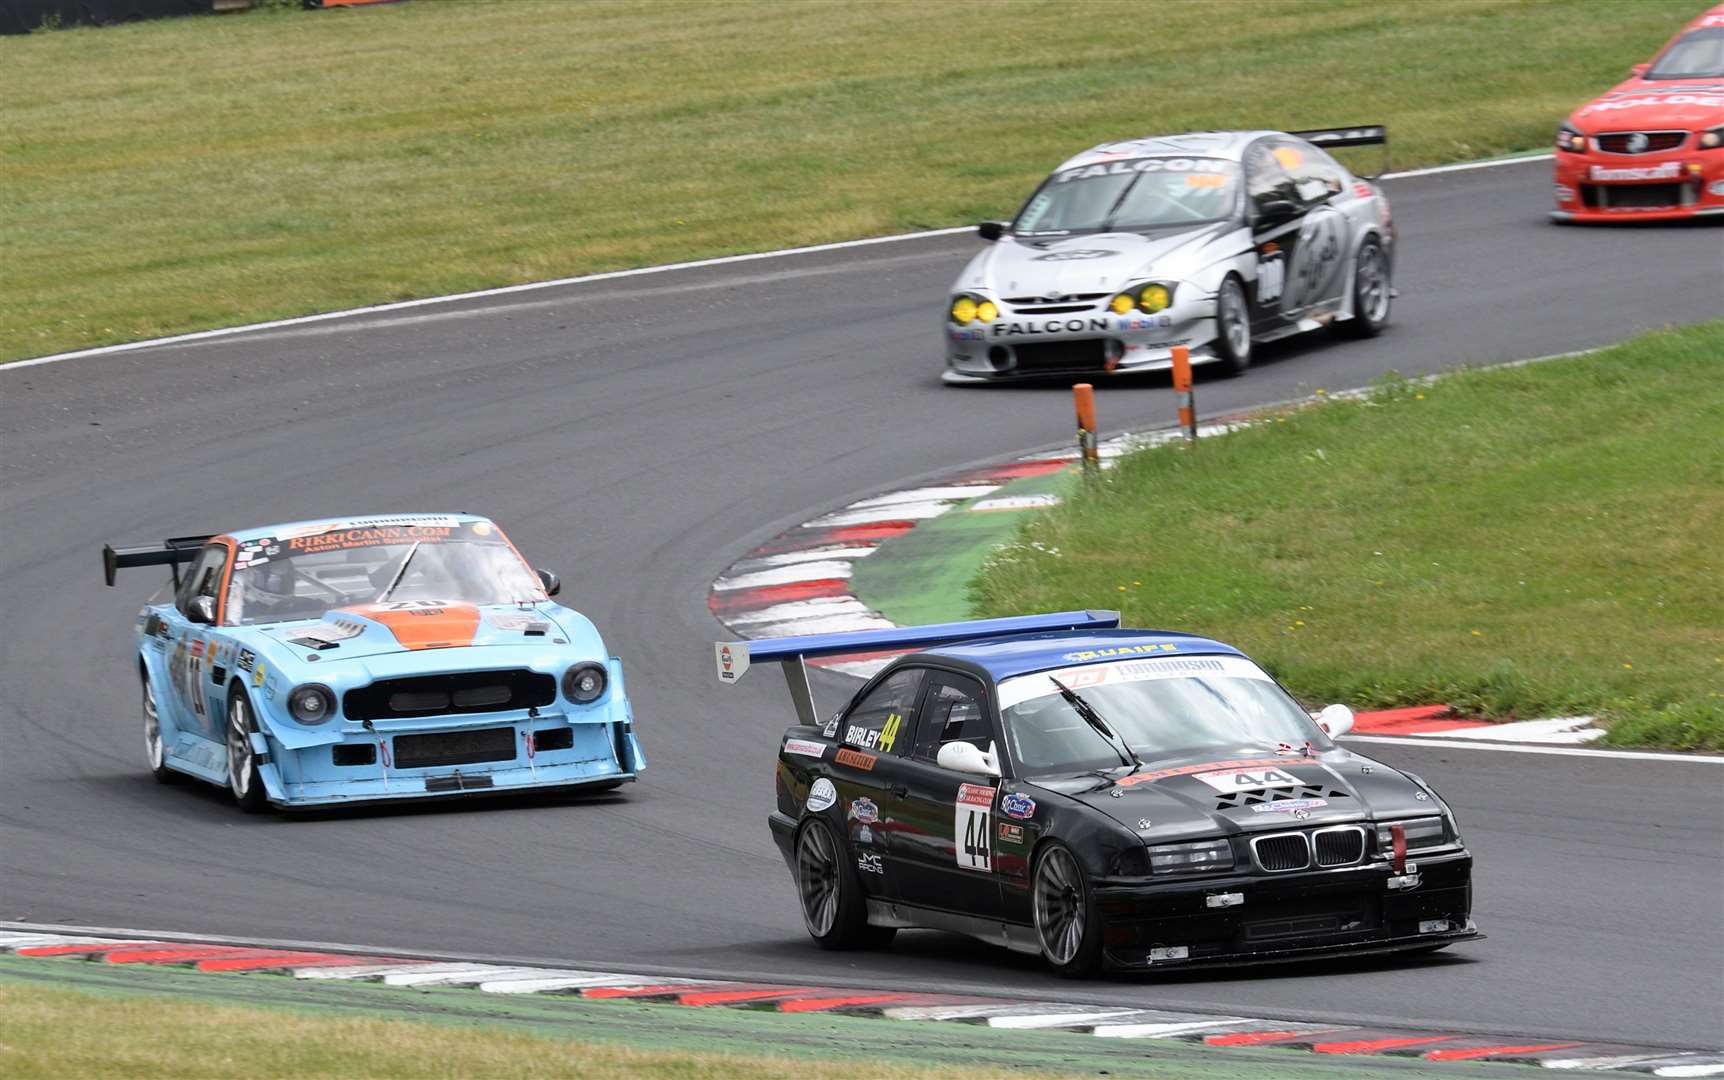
x,y
553,583
201,610
1275,211
991,230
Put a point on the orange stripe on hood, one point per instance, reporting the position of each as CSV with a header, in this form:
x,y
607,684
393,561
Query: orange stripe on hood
x,y
443,627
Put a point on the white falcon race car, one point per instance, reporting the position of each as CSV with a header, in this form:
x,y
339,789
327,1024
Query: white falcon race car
x,y
1213,240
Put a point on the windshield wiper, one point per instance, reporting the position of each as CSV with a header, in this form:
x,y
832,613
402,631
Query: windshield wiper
x,y
399,574
1094,720
1107,222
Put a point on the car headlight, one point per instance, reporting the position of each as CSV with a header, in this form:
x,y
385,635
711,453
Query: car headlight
x,y
311,704
1569,139
1424,832
1712,138
1196,857
584,684
1150,298
967,309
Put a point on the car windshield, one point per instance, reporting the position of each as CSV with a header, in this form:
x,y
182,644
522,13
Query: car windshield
x,y
1698,54
1162,708
282,578
1131,195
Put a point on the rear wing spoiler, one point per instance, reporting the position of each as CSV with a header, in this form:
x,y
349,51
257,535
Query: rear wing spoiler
x,y
1357,135
734,658
172,552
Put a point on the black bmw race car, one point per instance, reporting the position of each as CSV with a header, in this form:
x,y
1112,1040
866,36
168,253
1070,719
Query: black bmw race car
x,y
1104,797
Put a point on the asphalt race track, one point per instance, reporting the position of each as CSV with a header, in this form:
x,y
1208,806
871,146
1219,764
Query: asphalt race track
x,y
637,435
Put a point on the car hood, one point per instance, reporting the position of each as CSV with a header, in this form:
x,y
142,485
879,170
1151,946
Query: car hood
x,y
1244,789
1091,263
369,630
1665,104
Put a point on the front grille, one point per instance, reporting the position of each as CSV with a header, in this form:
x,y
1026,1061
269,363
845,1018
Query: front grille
x,y
1340,845
1085,299
1634,195
454,748
449,695
1061,355
1281,852
354,754
1617,142
1318,918
554,739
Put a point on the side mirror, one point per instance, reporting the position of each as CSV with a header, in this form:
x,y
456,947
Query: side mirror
x,y
964,758
991,230
1335,720
553,583
1638,70
1275,211
201,610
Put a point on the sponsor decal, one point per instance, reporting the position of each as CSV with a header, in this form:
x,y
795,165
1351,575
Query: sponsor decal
x,y
1011,834
831,728
864,835
1193,770
966,335
870,864
327,633
733,664
1564,193
821,796
1145,322
805,748
1018,805
346,539
1145,165
1711,100
1050,326
1122,650
1231,780
1271,275
864,811
482,528
1289,806
1669,170
1075,255
1027,687
972,827
855,759
257,677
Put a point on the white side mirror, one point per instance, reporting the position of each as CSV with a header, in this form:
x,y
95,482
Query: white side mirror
x,y
964,758
1335,720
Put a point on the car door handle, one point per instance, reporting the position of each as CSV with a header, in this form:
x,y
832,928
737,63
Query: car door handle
x,y
899,791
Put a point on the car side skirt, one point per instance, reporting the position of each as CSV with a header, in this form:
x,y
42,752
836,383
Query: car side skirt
x,y
1013,936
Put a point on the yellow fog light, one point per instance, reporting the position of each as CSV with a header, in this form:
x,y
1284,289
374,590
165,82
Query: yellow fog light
x,y
963,311
1122,304
1153,298
986,311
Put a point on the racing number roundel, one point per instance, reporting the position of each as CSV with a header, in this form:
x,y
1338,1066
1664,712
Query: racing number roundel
x,y
973,826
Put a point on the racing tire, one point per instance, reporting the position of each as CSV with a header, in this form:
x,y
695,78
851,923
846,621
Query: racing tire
x,y
1232,326
243,778
830,893
1067,921
155,751
1372,293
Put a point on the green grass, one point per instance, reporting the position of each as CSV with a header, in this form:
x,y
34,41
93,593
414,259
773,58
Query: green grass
x,y
187,173
1536,541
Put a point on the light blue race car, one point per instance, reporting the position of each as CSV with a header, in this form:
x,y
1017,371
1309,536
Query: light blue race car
x,y
358,659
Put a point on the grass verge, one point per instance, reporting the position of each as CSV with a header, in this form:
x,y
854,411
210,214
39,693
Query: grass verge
x,y
1521,542
189,173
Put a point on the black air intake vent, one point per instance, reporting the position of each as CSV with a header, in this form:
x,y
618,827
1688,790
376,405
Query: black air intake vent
x,y
449,695
1281,794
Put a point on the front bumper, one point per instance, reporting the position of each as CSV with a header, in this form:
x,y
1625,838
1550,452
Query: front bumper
x,y
1673,185
595,753
1281,917
1038,343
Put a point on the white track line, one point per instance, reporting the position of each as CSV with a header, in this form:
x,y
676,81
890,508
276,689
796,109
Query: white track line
x,y
613,275
1520,748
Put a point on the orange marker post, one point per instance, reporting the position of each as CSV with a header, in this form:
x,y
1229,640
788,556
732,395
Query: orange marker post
x,y
1083,395
1182,387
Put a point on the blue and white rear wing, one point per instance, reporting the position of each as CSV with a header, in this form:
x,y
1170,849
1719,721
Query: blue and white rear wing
x,y
734,658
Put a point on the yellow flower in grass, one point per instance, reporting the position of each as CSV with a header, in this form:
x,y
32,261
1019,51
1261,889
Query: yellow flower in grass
x,y
1478,633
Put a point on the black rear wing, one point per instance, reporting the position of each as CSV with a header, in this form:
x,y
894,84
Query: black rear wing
x,y
1357,135
172,552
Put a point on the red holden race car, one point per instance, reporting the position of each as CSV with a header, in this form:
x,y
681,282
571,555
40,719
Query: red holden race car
x,y
1652,149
